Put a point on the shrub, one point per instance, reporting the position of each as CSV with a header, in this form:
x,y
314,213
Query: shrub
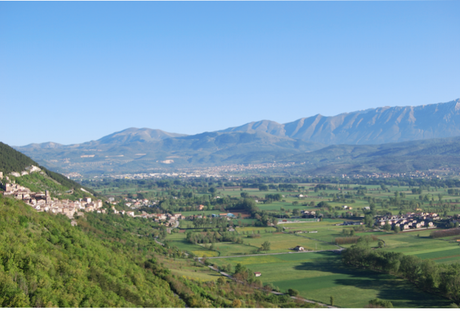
x,y
379,303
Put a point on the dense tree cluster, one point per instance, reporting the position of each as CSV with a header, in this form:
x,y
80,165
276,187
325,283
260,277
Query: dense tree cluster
x,y
441,279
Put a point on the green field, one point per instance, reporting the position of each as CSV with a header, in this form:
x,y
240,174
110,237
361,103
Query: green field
x,y
184,268
178,240
283,242
317,276
418,243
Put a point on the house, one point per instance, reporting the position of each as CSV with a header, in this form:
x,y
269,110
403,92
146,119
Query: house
x,y
161,216
299,248
257,274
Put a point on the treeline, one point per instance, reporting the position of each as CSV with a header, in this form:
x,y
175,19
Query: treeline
x,y
206,184
440,279
445,233
213,237
12,160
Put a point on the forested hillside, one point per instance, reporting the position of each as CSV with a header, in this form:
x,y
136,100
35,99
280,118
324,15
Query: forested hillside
x,y
13,161
45,262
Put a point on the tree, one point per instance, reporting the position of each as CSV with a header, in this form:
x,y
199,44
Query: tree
x,y
263,187
221,280
236,303
212,190
397,229
266,246
381,244
372,207
292,292
387,226
369,220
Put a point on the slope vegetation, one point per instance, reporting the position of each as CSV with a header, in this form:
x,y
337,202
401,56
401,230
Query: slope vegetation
x,y
45,262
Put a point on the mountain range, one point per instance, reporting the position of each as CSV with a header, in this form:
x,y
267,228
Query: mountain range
x,y
371,126
134,149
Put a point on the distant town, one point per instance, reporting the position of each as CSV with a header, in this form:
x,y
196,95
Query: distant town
x,y
231,170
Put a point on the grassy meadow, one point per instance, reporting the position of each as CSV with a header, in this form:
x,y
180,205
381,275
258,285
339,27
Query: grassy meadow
x,y
318,276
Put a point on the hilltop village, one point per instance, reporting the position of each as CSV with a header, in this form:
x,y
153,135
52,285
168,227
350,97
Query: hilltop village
x,y
43,202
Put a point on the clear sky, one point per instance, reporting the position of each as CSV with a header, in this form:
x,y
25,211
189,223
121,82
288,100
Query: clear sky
x,y
72,72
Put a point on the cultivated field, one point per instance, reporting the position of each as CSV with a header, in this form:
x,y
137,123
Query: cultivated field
x,y
318,276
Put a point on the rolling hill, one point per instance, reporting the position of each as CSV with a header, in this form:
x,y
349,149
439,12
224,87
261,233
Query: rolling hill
x,y
421,155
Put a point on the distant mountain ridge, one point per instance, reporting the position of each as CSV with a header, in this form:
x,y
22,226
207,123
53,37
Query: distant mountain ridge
x,y
134,150
370,126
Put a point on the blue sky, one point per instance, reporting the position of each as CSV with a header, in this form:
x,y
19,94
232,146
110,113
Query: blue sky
x,y
71,72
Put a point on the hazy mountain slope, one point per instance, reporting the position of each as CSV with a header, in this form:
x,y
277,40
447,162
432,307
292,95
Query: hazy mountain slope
x,y
136,135
394,157
371,126
128,153
266,126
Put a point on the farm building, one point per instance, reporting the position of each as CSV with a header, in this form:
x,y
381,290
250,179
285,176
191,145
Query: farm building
x,y
299,248
257,274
